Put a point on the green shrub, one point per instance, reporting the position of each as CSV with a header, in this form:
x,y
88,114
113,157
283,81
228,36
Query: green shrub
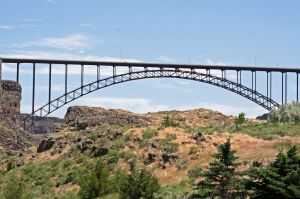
x,y
289,112
239,120
171,136
167,146
148,133
195,172
139,184
96,183
14,189
169,122
10,165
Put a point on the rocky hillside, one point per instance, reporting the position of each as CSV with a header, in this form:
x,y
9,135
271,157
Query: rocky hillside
x,y
13,138
174,154
83,117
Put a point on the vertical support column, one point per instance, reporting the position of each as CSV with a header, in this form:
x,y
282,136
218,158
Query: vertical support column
x,y
81,78
237,80
66,81
268,84
49,90
240,77
98,75
114,73
270,87
252,82
18,71
297,87
255,81
130,71
281,88
286,87
33,88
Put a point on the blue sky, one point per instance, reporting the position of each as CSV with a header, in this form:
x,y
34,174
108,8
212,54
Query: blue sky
x,y
170,31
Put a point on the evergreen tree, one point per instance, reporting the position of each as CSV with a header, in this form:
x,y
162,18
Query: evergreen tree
x,y
139,184
96,183
220,180
280,179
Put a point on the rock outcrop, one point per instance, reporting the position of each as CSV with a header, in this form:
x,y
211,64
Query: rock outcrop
x,y
11,136
83,117
10,100
45,124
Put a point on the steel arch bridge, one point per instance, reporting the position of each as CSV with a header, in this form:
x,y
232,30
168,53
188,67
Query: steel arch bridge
x,y
211,74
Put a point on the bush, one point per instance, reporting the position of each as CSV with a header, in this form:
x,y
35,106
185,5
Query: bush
x,y
195,172
286,113
13,189
239,120
167,146
139,184
10,165
149,133
96,183
169,122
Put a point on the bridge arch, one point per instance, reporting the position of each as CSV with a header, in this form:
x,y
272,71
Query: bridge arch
x,y
227,84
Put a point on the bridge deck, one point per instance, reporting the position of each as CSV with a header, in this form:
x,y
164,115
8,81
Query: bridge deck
x,y
153,65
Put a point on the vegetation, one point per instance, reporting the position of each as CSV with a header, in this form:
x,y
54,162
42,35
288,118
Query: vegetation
x,y
108,163
169,122
221,179
139,184
239,120
286,113
96,183
280,179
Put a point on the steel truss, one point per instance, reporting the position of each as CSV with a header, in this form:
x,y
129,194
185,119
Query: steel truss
x,y
83,90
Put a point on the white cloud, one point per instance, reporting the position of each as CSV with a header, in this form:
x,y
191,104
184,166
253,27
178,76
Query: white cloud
x,y
69,42
87,24
9,27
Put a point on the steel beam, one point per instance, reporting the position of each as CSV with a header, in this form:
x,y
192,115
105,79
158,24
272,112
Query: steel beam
x,y
18,72
49,89
66,81
33,88
153,65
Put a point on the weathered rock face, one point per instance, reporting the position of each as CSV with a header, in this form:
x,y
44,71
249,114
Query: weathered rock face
x,y
10,100
83,117
11,136
44,124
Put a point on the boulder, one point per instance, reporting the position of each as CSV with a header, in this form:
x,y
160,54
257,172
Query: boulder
x,y
45,145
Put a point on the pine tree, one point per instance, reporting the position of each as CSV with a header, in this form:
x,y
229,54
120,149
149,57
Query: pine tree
x,y
280,179
220,180
139,184
96,183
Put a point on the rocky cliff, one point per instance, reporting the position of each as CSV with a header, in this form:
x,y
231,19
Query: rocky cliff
x,y
10,100
44,124
11,136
